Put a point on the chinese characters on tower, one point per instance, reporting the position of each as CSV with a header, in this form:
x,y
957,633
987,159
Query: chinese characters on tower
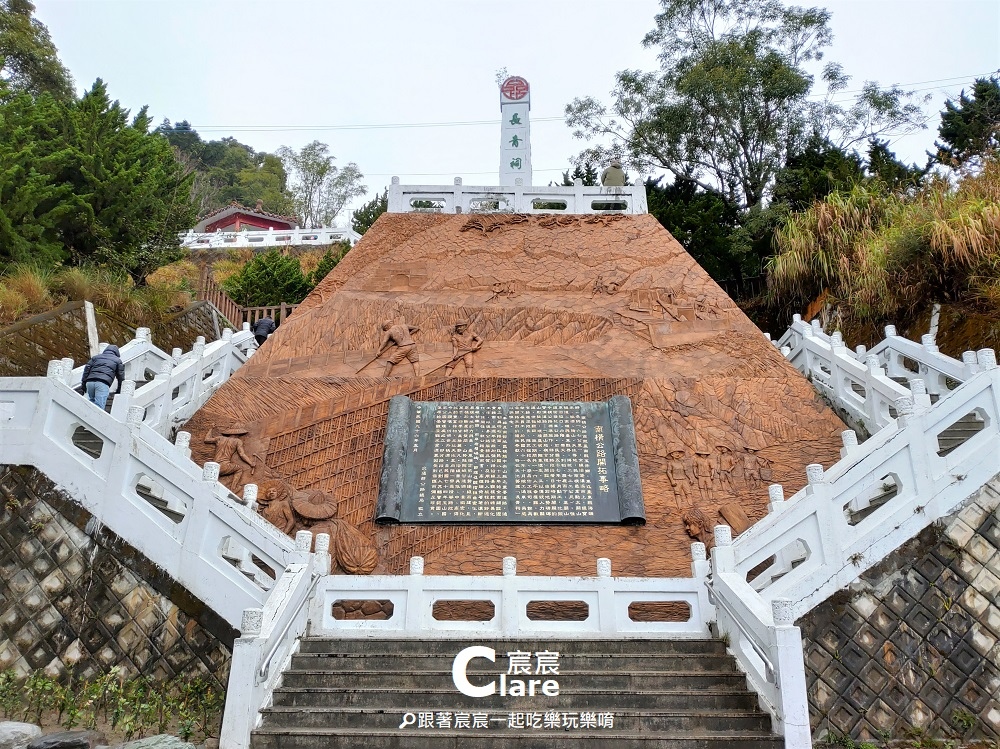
x,y
515,146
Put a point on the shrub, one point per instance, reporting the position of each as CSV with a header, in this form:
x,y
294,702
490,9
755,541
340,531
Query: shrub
x,y
32,284
268,279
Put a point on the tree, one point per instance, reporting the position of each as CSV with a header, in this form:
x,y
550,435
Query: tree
x,y
227,170
703,222
28,58
730,101
81,183
363,218
814,172
585,171
320,189
971,127
329,261
893,173
268,279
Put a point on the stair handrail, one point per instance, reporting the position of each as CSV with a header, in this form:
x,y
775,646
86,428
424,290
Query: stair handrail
x,y
815,549
269,637
182,382
212,543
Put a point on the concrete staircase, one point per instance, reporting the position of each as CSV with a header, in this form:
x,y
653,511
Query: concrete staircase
x,y
681,694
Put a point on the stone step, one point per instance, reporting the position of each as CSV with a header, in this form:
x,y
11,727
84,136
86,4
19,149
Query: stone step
x,y
694,721
608,648
389,697
318,738
568,662
605,680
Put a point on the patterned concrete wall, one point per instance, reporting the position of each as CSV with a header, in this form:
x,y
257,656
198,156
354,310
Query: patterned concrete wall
x,y
28,346
916,643
181,330
73,596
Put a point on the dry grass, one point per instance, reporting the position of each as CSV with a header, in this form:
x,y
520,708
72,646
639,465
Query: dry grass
x,y
881,256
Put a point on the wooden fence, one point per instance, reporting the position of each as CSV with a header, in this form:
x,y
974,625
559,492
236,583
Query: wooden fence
x,y
210,291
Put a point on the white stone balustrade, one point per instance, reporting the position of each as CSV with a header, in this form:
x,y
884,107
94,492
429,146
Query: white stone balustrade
x,y
181,384
270,238
265,647
608,598
518,199
206,540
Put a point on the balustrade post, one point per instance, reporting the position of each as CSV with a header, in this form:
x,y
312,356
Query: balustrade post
x,y
790,675
322,561
775,498
700,570
56,370
250,497
971,362
242,704
606,615
416,613
723,555
785,351
122,401
850,441
509,612
176,354
904,411
182,442
927,341
987,359
67,369
921,400
890,331
860,351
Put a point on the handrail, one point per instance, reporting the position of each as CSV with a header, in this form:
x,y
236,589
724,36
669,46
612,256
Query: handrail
x,y
197,531
577,199
268,238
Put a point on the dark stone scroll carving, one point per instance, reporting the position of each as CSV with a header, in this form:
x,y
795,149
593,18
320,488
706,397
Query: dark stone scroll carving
x,y
525,463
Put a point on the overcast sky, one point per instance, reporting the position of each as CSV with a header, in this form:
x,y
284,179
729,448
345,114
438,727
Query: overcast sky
x,y
285,72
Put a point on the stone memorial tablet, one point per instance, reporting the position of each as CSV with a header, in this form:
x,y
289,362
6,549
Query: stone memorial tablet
x,y
566,462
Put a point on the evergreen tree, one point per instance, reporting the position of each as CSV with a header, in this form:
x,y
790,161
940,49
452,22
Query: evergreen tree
x,y
270,278
585,171
363,218
893,173
971,127
328,262
28,58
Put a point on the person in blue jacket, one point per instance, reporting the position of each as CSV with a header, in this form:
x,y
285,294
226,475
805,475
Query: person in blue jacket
x,y
100,372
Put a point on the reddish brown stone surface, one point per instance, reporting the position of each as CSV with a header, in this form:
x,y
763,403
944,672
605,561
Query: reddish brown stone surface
x,y
569,308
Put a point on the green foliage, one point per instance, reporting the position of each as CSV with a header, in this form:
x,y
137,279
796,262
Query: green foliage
x,y
363,218
585,171
970,127
814,172
890,171
320,189
731,100
882,255
132,707
704,223
227,170
270,278
328,262
80,182
28,58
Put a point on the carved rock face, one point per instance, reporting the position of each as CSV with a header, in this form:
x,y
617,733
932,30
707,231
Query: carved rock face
x,y
569,308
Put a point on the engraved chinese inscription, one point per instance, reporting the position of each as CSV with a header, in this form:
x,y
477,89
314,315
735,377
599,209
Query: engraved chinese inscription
x,y
504,462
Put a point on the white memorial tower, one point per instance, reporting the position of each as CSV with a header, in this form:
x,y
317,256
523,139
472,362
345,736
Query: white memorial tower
x,y
515,142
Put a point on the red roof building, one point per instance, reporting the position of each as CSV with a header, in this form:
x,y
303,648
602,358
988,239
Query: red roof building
x,y
236,217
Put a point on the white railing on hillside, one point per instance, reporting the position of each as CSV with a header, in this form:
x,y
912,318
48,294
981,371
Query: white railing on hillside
x,y
812,545
607,600
195,240
269,636
145,489
181,382
517,199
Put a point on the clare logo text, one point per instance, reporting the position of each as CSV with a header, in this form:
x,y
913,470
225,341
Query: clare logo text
x,y
517,681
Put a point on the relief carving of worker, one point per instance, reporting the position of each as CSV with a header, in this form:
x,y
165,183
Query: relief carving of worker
x,y
399,335
679,475
464,345
231,456
696,525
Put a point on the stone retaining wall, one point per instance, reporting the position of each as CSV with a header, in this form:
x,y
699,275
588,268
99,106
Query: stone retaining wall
x,y
915,644
72,596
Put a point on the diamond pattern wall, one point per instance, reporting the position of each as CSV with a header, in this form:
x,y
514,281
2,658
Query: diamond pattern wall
x,y
86,602
915,644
